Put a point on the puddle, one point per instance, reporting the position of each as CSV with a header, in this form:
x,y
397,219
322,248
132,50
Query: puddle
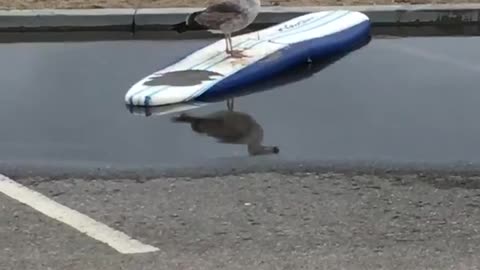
x,y
376,103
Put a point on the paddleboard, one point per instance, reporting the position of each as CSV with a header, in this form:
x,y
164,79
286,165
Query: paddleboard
x,y
268,52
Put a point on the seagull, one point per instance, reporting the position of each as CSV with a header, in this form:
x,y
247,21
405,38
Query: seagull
x,y
227,17
230,127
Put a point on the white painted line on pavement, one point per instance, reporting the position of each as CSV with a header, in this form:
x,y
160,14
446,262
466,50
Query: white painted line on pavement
x,y
99,231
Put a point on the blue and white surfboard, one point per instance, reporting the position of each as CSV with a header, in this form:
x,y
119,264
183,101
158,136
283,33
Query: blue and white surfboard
x,y
210,70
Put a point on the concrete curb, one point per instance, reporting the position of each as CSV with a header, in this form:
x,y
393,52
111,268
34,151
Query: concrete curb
x,y
158,19
64,19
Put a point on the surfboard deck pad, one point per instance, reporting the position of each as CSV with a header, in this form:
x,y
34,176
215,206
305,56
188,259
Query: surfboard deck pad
x,y
211,70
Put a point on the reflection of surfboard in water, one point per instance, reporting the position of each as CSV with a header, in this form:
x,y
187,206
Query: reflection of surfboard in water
x,y
269,51
166,109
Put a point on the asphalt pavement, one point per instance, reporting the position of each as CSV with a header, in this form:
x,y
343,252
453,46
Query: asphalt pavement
x,y
254,221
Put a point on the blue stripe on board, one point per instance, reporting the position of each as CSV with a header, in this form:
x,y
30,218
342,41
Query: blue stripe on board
x,y
235,46
205,88
318,48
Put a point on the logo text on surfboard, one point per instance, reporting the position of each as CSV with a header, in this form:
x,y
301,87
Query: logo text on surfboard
x,y
294,25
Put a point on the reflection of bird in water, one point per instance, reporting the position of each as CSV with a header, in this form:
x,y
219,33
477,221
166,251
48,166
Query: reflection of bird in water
x,y
230,103
230,127
226,16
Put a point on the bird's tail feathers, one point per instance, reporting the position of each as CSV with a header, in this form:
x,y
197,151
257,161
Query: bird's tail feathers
x,y
179,27
189,24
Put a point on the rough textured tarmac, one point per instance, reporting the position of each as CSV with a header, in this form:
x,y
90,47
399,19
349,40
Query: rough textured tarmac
x,y
256,221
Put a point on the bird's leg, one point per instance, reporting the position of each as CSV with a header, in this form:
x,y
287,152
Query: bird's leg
x,y
230,42
226,45
235,53
228,39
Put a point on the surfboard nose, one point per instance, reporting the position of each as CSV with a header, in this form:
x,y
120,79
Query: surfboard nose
x,y
136,97
147,97
131,98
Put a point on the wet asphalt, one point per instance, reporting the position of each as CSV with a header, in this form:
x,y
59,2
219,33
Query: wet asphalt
x,y
398,100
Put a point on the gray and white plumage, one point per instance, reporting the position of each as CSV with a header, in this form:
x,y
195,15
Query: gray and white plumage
x,y
227,17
